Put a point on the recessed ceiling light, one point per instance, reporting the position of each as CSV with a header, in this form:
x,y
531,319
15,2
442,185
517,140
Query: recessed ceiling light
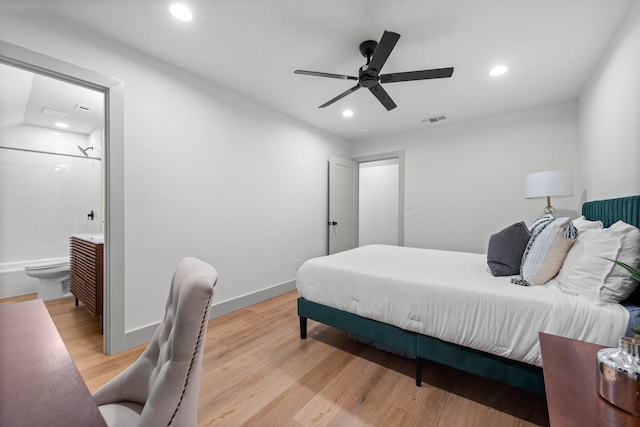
x,y
55,133
62,125
347,113
181,12
498,70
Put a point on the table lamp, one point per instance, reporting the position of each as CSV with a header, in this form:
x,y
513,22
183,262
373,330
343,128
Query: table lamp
x,y
548,184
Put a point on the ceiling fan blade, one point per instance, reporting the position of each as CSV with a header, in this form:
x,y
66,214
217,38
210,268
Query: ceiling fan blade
x,y
436,73
339,97
318,74
383,97
382,52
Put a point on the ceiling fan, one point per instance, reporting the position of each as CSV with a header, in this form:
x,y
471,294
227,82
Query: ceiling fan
x,y
369,75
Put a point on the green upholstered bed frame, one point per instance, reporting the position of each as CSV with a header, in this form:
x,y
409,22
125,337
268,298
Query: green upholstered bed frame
x,y
511,372
625,209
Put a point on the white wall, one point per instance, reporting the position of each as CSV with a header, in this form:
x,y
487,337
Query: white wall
x,y
45,197
465,181
208,173
610,118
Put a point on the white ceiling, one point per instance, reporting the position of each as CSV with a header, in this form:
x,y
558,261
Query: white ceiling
x,y
252,47
43,101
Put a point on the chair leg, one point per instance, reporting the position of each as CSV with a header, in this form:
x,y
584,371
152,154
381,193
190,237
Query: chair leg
x,y
418,372
303,327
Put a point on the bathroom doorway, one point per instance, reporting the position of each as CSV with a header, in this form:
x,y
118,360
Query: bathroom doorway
x,y
378,198
381,198
51,178
112,187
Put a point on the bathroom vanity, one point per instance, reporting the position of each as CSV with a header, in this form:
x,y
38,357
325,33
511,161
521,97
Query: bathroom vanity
x,y
86,264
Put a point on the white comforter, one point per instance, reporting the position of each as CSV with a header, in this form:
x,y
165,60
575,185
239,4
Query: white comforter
x,y
454,297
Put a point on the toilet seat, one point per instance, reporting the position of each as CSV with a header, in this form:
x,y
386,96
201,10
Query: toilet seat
x,y
47,265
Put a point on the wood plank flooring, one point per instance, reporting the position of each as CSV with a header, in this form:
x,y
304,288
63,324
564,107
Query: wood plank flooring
x,y
258,372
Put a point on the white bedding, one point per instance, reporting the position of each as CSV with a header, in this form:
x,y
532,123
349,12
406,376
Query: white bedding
x,y
454,297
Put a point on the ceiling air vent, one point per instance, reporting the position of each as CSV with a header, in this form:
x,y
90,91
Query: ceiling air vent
x,y
434,119
53,113
83,107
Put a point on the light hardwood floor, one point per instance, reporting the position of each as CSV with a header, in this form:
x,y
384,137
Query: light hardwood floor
x,y
258,372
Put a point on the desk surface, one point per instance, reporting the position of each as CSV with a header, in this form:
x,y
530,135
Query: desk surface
x,y
570,380
39,383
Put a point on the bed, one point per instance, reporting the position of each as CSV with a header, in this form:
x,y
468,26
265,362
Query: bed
x,y
444,306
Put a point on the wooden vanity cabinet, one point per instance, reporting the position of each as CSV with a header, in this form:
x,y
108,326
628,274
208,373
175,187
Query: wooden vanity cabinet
x,y
86,262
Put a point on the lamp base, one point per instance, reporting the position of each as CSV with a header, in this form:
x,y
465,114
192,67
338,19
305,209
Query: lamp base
x,y
550,210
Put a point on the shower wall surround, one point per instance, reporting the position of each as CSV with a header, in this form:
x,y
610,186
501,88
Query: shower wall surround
x,y
44,198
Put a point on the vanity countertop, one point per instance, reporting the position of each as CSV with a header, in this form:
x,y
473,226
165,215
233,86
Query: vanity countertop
x,y
90,237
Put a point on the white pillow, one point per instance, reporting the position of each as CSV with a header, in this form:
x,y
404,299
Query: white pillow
x,y
583,224
619,284
587,273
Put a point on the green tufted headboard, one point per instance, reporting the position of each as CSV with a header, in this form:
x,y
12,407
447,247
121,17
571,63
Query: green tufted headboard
x,y
609,211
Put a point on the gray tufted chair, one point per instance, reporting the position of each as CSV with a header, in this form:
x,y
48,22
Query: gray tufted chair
x,y
161,387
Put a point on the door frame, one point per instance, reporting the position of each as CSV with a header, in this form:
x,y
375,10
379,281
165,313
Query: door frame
x,y
385,156
113,158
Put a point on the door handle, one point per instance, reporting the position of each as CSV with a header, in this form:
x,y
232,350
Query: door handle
x,y
333,223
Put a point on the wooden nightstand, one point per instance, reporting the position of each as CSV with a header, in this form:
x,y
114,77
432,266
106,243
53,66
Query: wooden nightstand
x,y
570,380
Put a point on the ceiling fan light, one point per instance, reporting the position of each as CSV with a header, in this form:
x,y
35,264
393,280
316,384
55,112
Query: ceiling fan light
x,y
498,70
181,12
347,113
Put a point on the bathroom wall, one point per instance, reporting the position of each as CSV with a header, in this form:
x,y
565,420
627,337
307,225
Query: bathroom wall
x,y
45,197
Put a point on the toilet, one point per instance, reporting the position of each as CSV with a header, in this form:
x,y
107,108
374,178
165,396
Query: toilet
x,y
53,275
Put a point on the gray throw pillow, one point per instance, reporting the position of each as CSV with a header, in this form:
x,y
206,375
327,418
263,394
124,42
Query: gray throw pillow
x,y
506,247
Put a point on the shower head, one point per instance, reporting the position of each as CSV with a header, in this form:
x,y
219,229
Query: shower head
x,y
84,150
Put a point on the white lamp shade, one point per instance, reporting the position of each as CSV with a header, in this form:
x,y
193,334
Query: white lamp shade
x,y
548,183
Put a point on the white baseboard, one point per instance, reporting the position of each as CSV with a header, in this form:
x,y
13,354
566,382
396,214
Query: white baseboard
x,y
141,335
229,306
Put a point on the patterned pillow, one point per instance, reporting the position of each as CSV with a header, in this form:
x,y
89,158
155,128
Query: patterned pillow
x,y
546,251
540,222
506,247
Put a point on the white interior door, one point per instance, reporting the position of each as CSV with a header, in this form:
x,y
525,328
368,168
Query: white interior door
x,y
342,205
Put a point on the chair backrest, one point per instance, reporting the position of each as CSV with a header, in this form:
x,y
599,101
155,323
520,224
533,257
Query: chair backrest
x,y
166,377
177,347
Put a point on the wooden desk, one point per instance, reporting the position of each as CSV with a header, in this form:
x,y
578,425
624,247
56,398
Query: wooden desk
x,y
570,380
39,383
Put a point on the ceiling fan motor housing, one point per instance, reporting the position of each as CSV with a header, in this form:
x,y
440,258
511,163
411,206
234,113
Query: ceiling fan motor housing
x,y
367,79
